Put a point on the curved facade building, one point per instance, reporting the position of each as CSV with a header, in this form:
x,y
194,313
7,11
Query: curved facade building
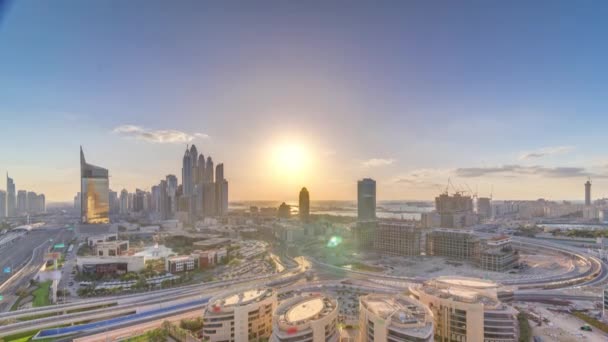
x,y
95,193
468,309
311,318
394,318
240,316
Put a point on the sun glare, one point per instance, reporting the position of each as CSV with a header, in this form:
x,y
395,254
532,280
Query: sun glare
x,y
291,159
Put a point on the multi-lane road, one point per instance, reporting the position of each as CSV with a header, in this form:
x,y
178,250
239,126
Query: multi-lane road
x,y
24,257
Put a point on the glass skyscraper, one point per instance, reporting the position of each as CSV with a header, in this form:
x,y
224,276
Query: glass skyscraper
x,y
95,193
366,199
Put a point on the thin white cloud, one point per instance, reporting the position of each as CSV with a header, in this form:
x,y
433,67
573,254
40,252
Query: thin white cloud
x,y
375,162
545,152
161,136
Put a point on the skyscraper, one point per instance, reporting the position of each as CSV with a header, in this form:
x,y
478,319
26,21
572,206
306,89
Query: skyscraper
x,y
193,164
42,203
138,200
366,199
209,204
124,202
201,169
21,202
113,201
171,191
94,189
221,190
164,201
209,170
588,192
187,174
2,204
11,197
304,205
77,202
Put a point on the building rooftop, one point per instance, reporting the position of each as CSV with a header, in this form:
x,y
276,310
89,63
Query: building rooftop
x,y
303,309
467,282
239,298
404,314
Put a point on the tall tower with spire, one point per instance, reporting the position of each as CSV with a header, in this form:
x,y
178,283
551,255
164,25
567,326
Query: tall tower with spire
x,y
187,173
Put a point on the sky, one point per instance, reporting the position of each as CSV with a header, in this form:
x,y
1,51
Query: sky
x,y
508,98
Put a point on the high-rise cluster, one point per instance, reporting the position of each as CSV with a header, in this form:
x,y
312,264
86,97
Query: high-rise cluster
x,y
202,194
22,202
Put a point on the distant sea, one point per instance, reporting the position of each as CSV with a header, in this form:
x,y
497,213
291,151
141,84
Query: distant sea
x,y
384,209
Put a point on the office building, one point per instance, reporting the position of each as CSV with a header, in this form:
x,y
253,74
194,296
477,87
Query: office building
x,y
21,202
366,199
209,170
209,204
124,202
110,265
11,197
183,263
172,187
2,204
484,207
94,190
307,317
284,211
139,200
113,202
453,243
384,317
467,309
77,202
497,254
221,190
304,205
200,172
588,192
397,238
187,185
111,248
240,316
193,164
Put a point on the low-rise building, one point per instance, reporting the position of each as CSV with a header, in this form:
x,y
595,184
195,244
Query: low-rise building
x,y
184,263
95,239
311,318
110,265
212,243
467,309
111,248
240,316
497,254
397,318
452,243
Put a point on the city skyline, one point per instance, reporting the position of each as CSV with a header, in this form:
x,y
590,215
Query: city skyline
x,y
306,91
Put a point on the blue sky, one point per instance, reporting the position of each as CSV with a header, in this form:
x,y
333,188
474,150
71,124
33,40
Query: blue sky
x,y
506,95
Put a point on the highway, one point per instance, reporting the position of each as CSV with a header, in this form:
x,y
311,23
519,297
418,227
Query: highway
x,y
25,257
125,305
